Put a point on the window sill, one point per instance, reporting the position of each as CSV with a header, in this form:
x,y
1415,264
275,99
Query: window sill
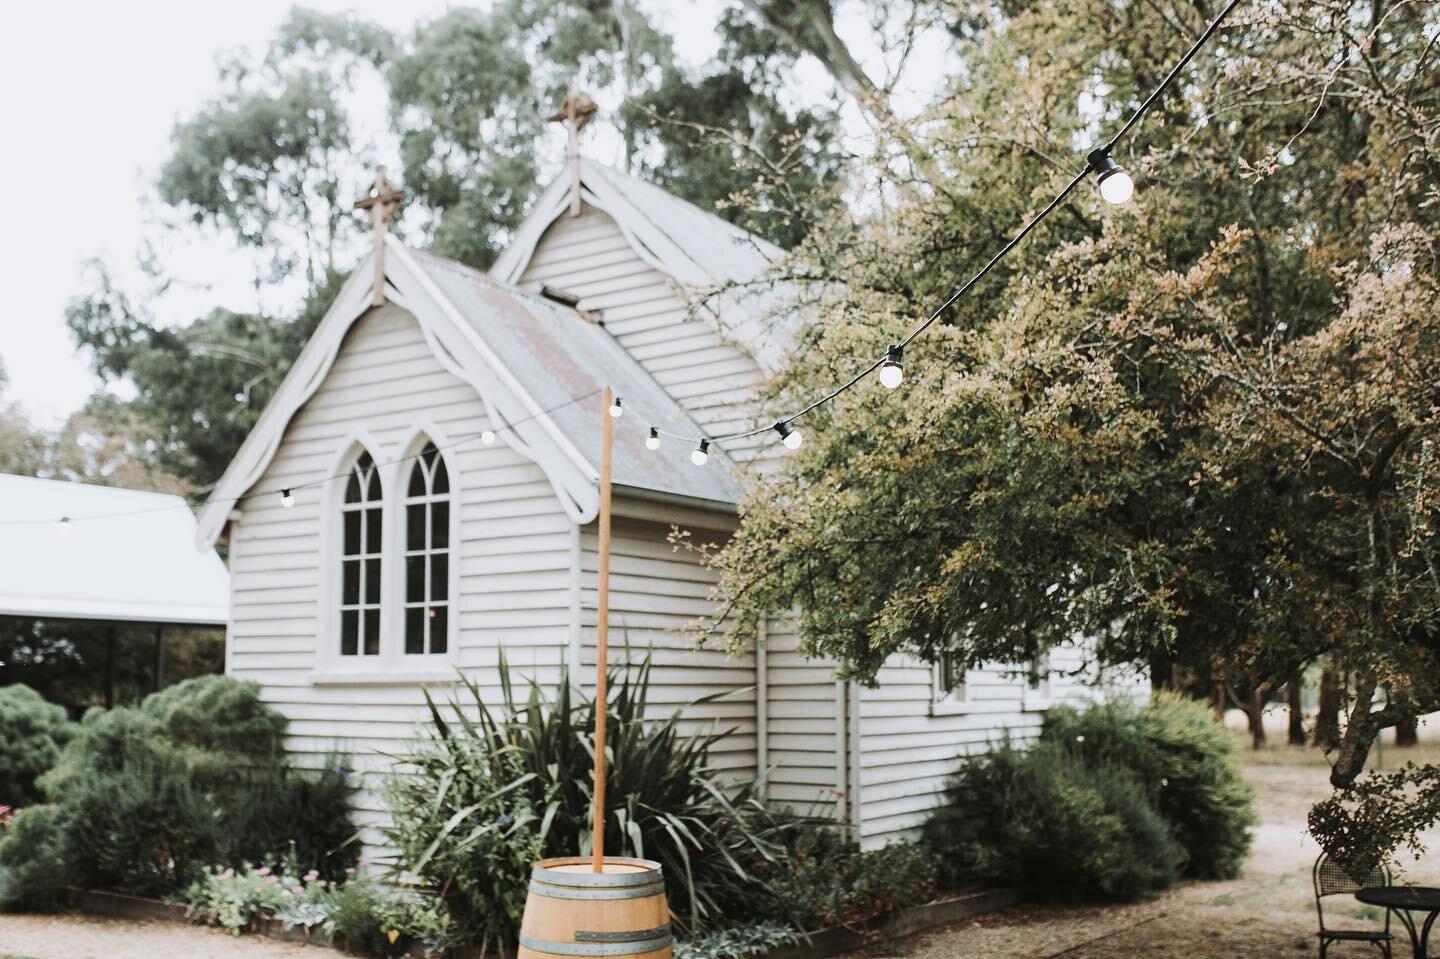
x,y
384,677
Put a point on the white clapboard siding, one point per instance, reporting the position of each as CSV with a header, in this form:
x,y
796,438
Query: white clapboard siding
x,y
912,744
657,595
514,553
805,727
712,378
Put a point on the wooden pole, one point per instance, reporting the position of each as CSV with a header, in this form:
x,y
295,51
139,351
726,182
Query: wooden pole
x,y
602,631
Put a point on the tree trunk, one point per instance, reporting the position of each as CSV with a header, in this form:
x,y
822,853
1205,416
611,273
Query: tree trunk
x,y
1407,732
1217,701
822,42
1327,719
1293,689
1255,714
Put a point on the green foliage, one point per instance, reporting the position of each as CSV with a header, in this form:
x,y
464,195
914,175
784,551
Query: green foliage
x,y
148,796
1054,827
825,880
218,714
32,733
32,866
749,941
495,788
234,899
1362,826
1183,760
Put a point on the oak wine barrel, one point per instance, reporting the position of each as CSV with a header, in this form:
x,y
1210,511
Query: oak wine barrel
x,y
574,911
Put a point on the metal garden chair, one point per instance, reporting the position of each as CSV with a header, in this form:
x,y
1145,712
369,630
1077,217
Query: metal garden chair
x,y
1331,879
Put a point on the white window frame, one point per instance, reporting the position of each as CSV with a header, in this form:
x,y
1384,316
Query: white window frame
x,y
391,666
402,551
952,701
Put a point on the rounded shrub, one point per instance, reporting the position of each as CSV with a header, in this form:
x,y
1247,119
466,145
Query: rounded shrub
x,y
1183,759
1044,821
32,867
32,734
147,797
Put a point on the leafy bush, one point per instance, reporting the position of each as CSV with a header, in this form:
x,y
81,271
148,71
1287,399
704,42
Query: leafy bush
x,y
32,733
1184,761
1054,827
233,899
148,796
376,920
32,871
491,794
826,880
739,942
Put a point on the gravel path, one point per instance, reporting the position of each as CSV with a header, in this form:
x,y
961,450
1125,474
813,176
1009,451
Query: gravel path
x,y
69,936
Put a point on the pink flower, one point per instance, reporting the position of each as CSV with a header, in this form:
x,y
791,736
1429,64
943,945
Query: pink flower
x,y
272,880
312,875
263,871
228,873
298,890
364,863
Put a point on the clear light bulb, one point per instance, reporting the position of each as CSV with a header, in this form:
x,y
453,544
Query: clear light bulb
x,y
793,441
616,409
1117,186
701,453
488,437
652,442
287,498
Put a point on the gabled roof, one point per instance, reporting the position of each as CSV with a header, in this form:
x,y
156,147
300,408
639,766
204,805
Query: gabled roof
x,y
527,358
123,556
697,249
560,355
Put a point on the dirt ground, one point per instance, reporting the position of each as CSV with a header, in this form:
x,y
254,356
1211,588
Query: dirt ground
x,y
1268,912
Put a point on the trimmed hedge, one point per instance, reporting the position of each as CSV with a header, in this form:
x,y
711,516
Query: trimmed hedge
x,y
1184,761
32,733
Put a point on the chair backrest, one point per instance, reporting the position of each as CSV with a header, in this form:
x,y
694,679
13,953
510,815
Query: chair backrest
x,y
1333,879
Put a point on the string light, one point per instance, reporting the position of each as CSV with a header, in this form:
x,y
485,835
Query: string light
x,y
1115,184
652,442
701,453
287,498
891,372
617,409
487,437
790,437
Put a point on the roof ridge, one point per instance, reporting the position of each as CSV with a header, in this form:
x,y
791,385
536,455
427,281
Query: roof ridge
x,y
78,484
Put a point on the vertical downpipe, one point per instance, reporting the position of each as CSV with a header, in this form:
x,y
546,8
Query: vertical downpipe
x,y
762,708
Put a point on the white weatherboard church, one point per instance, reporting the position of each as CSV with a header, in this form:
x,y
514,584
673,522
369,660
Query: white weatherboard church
x,y
435,548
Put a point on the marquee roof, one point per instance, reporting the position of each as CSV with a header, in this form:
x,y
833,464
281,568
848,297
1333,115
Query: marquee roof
x,y
74,551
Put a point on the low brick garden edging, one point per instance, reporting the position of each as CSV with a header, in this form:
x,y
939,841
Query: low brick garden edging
x,y
820,945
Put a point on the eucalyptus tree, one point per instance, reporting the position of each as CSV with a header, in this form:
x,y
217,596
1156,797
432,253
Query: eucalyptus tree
x,y
1196,428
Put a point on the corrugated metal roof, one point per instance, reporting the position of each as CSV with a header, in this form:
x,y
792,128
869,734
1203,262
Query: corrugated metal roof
x,y
125,555
558,355
754,311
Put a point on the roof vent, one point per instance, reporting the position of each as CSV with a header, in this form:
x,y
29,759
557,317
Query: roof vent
x,y
563,297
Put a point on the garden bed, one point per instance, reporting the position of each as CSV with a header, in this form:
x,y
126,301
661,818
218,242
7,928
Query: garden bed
x,y
827,942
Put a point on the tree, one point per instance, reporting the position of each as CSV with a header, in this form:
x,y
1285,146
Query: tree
x,y
273,157
1194,426
201,387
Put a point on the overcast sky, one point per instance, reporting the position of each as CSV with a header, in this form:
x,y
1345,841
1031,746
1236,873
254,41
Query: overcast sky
x,y
93,90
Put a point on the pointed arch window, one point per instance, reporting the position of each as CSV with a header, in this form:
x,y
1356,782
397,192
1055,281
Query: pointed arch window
x,y
361,517
427,555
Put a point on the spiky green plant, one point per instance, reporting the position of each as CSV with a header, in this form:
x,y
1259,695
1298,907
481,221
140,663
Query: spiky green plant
x,y
495,788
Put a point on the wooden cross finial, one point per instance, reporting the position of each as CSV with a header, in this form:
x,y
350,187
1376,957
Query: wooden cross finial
x,y
381,201
575,112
